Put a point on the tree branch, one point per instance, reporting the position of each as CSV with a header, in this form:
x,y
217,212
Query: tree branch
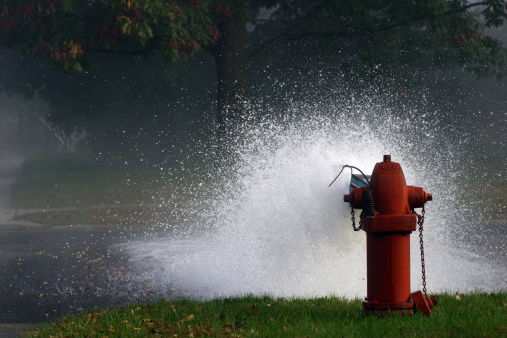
x,y
141,51
261,50
422,17
285,37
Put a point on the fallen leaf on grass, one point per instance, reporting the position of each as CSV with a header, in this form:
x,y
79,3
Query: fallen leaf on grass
x,y
457,296
253,309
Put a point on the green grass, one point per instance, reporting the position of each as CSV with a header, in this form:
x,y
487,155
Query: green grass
x,y
104,215
473,315
484,190
98,192
77,180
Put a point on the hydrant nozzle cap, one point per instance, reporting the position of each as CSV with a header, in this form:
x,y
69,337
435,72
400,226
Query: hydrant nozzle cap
x,y
429,197
387,158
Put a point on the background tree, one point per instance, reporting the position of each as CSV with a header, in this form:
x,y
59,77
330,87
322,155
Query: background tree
x,y
374,38
125,104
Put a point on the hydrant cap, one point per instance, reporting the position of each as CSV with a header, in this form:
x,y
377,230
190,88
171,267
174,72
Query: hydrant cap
x,y
389,188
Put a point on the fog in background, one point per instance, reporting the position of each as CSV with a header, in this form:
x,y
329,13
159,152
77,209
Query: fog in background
x,y
138,108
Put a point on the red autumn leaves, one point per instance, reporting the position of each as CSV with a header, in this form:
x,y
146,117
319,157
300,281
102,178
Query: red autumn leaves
x,y
102,25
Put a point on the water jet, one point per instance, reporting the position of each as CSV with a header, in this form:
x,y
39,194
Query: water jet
x,y
270,225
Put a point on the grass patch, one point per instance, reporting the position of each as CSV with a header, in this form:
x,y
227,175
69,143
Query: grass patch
x,y
485,190
119,215
77,180
75,189
68,189
476,314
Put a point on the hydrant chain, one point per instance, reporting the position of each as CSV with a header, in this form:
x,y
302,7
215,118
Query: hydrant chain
x,y
354,221
420,222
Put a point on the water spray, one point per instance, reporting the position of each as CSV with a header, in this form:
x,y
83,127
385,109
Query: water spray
x,y
270,225
388,218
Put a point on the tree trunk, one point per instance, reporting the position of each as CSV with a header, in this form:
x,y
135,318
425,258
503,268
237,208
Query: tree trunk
x,y
232,77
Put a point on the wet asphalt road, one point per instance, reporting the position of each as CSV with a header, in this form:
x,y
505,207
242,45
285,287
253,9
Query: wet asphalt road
x,y
49,272
46,273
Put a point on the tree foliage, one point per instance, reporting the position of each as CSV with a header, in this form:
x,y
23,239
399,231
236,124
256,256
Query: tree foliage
x,y
390,33
372,37
65,30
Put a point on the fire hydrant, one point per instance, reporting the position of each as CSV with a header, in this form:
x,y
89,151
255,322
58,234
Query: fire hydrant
x,y
388,218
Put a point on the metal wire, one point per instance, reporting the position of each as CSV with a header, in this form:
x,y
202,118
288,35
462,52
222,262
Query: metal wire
x,y
351,167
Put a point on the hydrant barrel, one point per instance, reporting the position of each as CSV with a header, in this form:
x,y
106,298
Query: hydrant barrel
x,y
388,272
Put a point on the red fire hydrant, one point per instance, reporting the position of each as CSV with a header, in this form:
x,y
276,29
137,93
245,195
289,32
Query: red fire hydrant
x,y
388,218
